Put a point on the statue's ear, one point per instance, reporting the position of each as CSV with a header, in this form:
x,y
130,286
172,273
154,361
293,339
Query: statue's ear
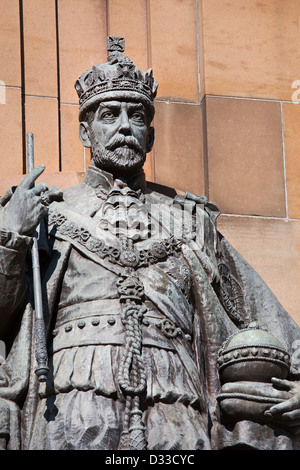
x,y
84,134
150,140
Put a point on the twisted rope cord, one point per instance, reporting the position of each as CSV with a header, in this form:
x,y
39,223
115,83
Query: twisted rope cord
x,y
132,376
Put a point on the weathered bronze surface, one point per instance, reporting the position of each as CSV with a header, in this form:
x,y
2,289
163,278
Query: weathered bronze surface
x,y
159,335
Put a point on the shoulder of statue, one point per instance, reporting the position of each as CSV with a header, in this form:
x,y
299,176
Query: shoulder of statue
x,y
199,203
74,191
81,197
78,201
171,196
160,191
192,203
203,200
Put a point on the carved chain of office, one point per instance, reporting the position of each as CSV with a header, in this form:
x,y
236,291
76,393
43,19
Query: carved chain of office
x,y
133,257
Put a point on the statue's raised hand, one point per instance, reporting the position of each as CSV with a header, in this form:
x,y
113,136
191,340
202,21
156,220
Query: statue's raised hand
x,y
25,209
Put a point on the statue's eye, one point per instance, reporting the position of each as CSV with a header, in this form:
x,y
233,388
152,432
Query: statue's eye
x,y
138,117
107,115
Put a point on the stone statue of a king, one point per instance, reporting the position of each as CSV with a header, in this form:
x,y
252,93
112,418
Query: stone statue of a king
x,y
158,334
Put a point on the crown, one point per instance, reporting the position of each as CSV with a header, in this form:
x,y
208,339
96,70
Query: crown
x,y
118,78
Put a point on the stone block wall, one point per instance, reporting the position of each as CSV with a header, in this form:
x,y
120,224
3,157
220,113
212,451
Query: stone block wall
x,y
227,114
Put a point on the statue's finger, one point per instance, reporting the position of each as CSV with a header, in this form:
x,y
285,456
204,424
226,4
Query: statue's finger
x,y
38,189
29,179
281,384
285,406
292,417
55,194
7,196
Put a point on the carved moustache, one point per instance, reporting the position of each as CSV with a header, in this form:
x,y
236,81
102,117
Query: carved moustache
x,y
121,141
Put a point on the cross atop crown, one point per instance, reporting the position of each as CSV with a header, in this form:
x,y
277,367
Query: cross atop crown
x,y
115,43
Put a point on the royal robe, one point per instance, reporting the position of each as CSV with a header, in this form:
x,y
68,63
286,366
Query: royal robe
x,y
197,291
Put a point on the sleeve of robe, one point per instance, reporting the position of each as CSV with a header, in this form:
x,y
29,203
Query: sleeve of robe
x,y
13,251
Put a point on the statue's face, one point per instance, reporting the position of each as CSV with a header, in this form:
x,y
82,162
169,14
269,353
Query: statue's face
x,y
119,136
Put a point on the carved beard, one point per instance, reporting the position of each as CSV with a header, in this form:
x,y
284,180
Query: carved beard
x,y
121,155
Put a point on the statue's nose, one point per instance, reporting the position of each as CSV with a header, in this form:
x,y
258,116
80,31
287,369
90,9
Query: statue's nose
x,y
124,124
